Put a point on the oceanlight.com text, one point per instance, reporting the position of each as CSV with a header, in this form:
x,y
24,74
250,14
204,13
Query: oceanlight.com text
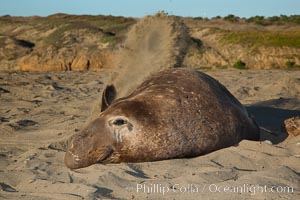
x,y
212,188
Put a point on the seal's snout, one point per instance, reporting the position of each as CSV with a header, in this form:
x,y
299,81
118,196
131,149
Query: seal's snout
x,y
74,156
93,144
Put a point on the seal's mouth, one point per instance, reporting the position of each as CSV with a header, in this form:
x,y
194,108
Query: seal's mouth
x,y
106,158
75,160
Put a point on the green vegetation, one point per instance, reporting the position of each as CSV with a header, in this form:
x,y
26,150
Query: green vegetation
x,y
201,18
231,18
239,65
198,18
255,38
275,20
292,65
217,17
106,23
259,20
111,23
60,25
58,36
108,39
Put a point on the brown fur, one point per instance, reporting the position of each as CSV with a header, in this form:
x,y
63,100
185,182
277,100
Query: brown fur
x,y
175,113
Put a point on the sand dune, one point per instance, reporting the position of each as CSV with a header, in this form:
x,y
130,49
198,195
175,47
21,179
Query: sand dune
x,y
39,111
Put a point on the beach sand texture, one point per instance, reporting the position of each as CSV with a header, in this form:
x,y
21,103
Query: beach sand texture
x,y
40,111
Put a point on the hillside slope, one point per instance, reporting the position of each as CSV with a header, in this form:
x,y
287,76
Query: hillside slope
x,y
69,42
60,42
222,44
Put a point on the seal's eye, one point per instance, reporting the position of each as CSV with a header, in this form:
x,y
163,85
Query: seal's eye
x,y
119,122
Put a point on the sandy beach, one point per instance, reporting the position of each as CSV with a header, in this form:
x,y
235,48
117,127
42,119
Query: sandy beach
x,y
40,110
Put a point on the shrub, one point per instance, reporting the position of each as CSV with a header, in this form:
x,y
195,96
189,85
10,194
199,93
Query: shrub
x,y
274,19
239,65
108,39
259,20
292,65
231,18
198,18
282,19
217,17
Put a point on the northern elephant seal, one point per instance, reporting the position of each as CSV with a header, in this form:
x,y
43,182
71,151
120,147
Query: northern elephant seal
x,y
175,113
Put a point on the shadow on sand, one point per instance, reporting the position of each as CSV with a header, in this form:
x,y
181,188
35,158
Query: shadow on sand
x,y
271,115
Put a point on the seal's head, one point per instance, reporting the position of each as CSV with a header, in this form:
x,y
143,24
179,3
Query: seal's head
x,y
113,136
